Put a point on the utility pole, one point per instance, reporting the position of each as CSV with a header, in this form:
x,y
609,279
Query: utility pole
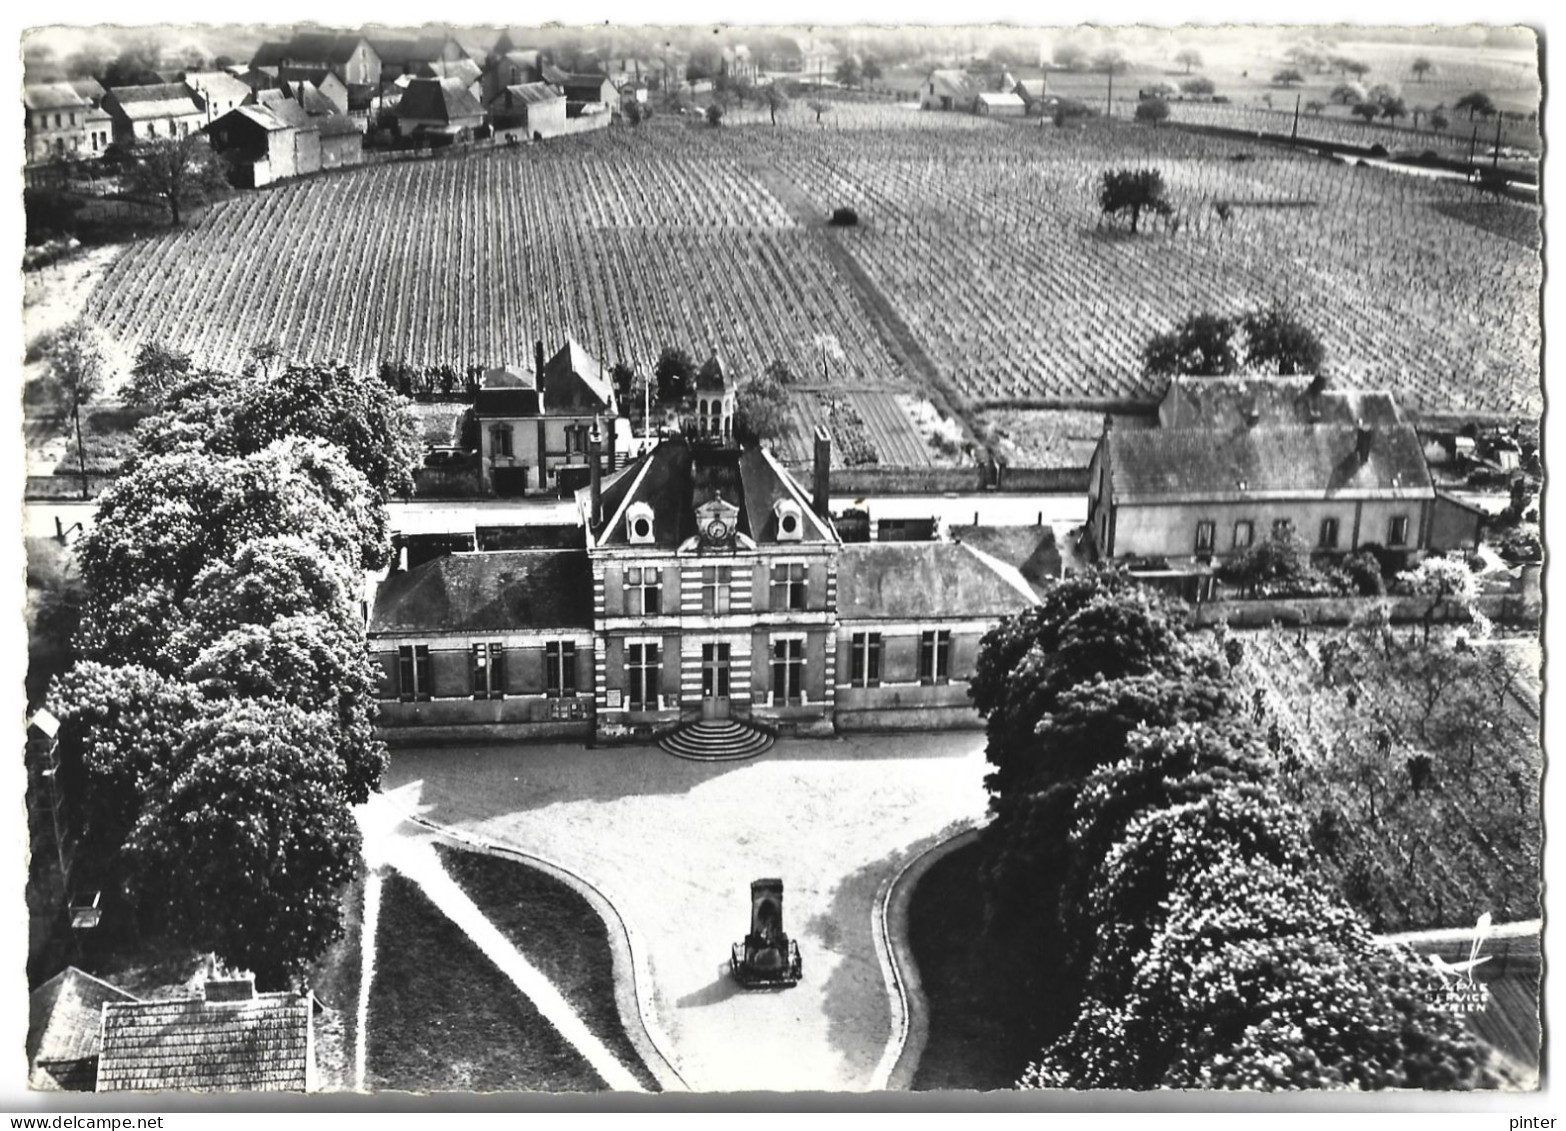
x,y
1495,160
1473,142
1109,97
1294,135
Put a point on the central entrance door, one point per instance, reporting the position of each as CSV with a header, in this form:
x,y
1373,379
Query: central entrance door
x,y
714,681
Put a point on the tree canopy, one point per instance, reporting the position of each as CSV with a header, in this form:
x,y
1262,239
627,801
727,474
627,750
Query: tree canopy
x,y
178,172
1202,344
1133,191
1270,339
1475,102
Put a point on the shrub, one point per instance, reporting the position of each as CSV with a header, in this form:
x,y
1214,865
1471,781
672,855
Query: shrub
x,y
844,218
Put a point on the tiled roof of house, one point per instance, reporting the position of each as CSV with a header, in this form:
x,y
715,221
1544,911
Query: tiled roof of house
x,y
465,69
1286,461
1001,100
1031,550
219,87
259,1043
53,96
676,477
1229,402
400,51
440,100
63,1028
956,84
506,391
487,592
308,47
163,100
575,383
310,98
531,92
285,110
924,581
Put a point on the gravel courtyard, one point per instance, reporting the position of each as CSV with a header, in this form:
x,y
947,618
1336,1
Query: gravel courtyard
x,y
674,846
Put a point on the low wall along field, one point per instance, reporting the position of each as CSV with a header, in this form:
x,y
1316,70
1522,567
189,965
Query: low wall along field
x,y
980,262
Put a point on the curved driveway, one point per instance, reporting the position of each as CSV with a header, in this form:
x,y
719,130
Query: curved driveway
x,y
674,845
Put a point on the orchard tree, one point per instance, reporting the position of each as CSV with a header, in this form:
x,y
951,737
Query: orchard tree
x,y
870,70
1421,66
1188,57
1110,61
1314,107
1277,341
1475,102
1289,76
1202,344
1394,108
1200,85
77,363
156,371
1348,94
1152,110
1133,191
818,107
848,73
1438,119
180,172
1447,581
248,844
1367,110
775,98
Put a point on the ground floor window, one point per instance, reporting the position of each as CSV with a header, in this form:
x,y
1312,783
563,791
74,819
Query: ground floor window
x,y
560,668
643,668
1329,534
864,657
1204,537
788,671
935,656
413,671
489,671
1397,530
1244,535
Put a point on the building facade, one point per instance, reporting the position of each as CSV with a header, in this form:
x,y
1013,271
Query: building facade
x,y
707,585
65,120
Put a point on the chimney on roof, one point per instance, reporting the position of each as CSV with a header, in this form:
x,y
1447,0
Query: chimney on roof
x,y
1363,435
821,480
594,473
538,365
229,989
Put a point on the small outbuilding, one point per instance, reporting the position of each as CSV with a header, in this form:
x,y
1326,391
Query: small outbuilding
x,y
1000,105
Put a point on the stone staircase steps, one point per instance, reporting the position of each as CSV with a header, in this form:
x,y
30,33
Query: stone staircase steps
x,y
716,740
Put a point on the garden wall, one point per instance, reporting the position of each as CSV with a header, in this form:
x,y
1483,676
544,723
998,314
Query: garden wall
x,y
1340,610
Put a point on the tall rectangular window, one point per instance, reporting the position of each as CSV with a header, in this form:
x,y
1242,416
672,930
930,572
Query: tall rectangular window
x,y
788,586
864,659
560,669
642,669
935,656
1329,534
1244,535
788,671
501,441
1205,532
643,591
413,671
715,581
1397,530
489,671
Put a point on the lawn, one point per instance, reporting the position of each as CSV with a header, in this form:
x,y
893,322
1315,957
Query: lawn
x,y
977,1028
444,1019
557,931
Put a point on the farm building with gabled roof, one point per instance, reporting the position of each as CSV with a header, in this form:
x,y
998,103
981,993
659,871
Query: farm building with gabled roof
x,y
1005,104
64,1028
1236,460
65,118
532,110
948,90
148,113
349,56
230,1039
442,108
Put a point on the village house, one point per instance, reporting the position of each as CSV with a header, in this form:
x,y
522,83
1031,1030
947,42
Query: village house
x,y
349,56
1004,104
438,109
510,68
230,1039
151,113
277,137
65,119
948,90
532,426
415,57
64,1028
306,85
707,601
220,92
529,111
582,91
1232,460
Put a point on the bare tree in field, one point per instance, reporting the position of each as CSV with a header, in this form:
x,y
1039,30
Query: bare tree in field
x,y
179,172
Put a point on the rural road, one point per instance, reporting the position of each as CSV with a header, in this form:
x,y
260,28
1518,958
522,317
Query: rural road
x,y
674,846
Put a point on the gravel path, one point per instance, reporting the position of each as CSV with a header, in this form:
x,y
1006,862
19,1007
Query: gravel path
x,y
674,846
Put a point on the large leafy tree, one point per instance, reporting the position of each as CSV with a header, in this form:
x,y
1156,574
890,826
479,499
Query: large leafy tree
x,y
156,371
761,409
1475,102
179,172
249,840
1278,341
1202,344
1134,191
78,365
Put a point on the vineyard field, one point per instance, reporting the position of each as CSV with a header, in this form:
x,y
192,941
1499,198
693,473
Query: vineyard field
x,y
982,239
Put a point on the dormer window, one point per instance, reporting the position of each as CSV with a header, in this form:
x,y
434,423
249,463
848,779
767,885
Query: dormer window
x,y
791,522
639,524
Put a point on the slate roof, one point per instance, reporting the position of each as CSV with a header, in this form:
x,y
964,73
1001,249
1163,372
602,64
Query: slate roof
x,y
162,100
59,96
923,581
260,1043
575,383
310,98
506,392
465,69
218,86
958,85
676,477
1031,550
1282,462
63,1029
400,51
310,47
1224,402
530,92
439,100
1002,100
506,591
